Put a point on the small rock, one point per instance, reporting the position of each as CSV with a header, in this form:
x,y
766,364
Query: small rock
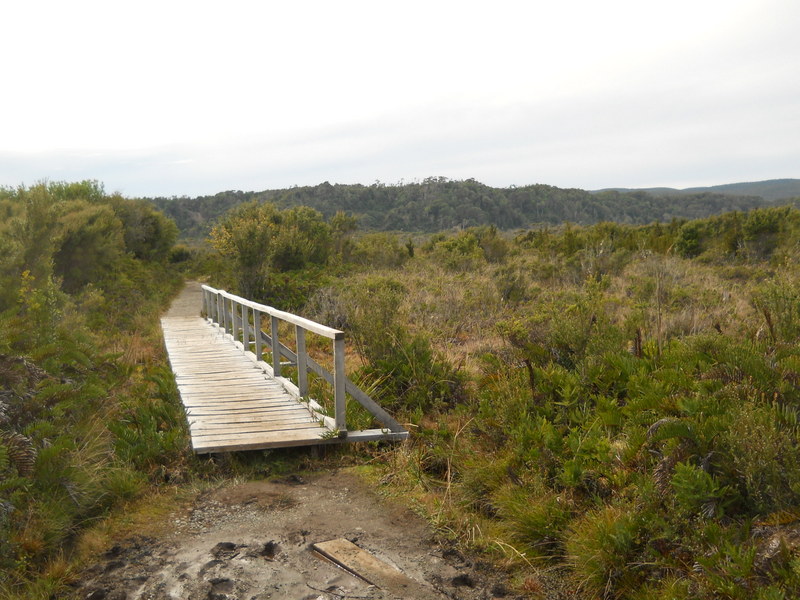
x,y
222,585
113,566
271,550
499,590
224,550
463,580
209,565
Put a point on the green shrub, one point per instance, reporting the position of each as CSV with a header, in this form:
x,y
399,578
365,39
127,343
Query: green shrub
x,y
416,379
601,547
765,456
698,492
535,517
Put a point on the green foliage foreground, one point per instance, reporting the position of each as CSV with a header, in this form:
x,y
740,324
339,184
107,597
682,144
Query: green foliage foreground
x,y
89,417
617,404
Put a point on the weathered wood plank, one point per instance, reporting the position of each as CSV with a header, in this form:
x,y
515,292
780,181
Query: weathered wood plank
x,y
232,419
278,439
244,429
253,408
237,399
371,569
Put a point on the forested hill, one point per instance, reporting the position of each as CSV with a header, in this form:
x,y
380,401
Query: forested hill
x,y
437,204
772,189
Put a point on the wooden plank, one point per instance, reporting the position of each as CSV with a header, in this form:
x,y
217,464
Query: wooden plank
x,y
229,404
266,396
375,435
209,384
278,439
200,428
236,412
200,370
205,386
235,419
216,413
261,399
252,408
244,430
371,569
234,393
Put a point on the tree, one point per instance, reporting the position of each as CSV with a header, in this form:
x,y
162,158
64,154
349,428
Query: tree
x,y
261,239
148,233
90,243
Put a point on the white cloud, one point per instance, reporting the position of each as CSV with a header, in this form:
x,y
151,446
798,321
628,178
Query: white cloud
x,y
186,97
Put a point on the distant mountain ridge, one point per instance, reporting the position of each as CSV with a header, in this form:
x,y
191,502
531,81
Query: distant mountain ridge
x,y
438,204
770,189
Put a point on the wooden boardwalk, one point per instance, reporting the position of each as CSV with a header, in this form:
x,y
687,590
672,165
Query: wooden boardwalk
x,y
234,401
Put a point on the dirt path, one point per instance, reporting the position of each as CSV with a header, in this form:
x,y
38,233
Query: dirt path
x,y
252,541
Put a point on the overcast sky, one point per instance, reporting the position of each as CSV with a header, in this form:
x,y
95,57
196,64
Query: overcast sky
x,y
173,97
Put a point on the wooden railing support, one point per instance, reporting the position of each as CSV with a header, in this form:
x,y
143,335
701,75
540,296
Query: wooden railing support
x,y
245,328
302,363
221,308
276,347
339,398
257,333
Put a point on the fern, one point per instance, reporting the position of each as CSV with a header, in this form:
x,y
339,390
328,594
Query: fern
x,y
20,452
669,428
786,416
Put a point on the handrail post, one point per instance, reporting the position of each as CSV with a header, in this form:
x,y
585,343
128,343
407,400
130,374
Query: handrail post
x,y
232,318
302,364
339,398
245,328
234,321
257,333
204,308
218,315
276,347
237,321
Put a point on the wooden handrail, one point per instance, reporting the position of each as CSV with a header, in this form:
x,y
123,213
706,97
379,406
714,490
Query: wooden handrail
x,y
219,306
306,324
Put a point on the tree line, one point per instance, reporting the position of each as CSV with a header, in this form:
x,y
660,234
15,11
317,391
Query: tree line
x,y
438,204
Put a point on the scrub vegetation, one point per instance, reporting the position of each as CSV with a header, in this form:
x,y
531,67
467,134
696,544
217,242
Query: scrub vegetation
x,y
613,404
610,406
89,417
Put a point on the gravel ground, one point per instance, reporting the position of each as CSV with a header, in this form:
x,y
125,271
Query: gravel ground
x,y
253,541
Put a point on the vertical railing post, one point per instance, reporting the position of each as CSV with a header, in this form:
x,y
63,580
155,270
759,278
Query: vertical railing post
x,y
302,365
226,314
276,347
204,308
237,321
257,333
245,328
223,319
339,399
